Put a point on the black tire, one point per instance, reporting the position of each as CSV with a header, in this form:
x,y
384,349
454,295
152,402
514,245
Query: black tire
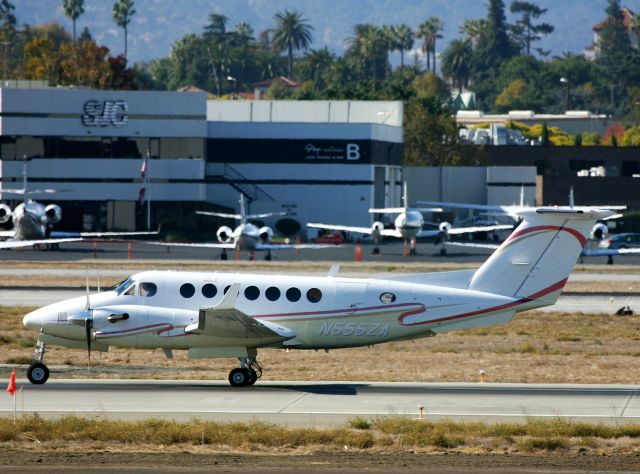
x,y
252,376
238,377
38,373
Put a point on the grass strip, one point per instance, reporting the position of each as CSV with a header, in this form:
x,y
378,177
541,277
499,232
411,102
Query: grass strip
x,y
358,433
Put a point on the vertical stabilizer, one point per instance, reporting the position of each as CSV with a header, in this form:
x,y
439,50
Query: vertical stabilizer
x,y
537,258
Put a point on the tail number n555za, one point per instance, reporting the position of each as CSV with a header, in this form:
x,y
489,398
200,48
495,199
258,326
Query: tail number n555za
x,y
343,328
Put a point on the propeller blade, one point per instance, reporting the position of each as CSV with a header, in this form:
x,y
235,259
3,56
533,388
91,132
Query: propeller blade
x,y
87,330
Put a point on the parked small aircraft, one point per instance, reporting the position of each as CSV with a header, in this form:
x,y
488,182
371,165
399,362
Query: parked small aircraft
x,y
246,236
234,315
407,225
33,222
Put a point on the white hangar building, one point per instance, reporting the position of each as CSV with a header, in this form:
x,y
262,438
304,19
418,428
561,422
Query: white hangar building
x,y
321,160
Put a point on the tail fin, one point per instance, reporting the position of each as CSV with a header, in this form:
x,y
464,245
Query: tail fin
x,y
537,258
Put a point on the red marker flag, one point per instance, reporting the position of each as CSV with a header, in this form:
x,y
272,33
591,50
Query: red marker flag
x,y
11,388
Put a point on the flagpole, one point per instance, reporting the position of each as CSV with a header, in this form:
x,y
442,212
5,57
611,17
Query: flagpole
x,y
148,193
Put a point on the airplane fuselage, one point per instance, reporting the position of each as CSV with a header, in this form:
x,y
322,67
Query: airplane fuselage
x,y
28,221
409,224
323,312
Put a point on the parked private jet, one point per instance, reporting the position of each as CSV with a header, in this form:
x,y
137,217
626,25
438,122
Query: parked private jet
x,y
246,236
407,225
33,222
235,315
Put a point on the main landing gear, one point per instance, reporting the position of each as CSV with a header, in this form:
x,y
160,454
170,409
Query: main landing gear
x,y
38,373
247,374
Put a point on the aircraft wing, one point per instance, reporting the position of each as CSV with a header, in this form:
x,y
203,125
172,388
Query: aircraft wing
x,y
226,321
269,246
482,228
14,244
601,252
63,234
7,234
473,245
391,233
266,214
219,214
360,230
204,245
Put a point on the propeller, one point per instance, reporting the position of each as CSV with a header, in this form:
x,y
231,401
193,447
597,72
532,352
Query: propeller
x,y
88,326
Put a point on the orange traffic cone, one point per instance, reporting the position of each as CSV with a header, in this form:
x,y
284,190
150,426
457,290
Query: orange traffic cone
x,y
405,249
358,251
237,252
129,251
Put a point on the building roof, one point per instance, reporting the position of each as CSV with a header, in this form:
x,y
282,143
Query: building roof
x,y
628,19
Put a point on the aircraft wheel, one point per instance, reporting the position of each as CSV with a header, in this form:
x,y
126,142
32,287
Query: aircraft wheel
x,y
252,376
38,373
238,377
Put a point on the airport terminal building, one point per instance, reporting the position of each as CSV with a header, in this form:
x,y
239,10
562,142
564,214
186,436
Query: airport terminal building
x,y
320,161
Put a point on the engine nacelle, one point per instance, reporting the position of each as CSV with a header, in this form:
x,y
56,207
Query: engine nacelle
x,y
5,213
53,213
224,234
444,227
599,231
265,233
376,233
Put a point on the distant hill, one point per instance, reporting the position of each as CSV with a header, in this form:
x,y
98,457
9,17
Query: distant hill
x,y
159,23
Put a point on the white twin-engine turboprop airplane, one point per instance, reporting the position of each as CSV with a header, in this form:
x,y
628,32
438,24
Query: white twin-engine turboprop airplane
x,y
234,315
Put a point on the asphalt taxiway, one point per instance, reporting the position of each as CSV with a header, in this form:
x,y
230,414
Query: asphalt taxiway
x,y
324,403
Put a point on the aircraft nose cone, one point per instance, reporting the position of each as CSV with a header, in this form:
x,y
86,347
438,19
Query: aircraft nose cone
x,y
33,320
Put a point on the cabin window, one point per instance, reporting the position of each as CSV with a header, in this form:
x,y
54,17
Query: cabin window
x,y
293,294
209,290
314,295
226,288
148,289
387,297
272,293
251,293
187,290
131,290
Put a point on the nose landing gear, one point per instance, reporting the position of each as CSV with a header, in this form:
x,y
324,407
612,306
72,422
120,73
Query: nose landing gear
x,y
247,374
38,373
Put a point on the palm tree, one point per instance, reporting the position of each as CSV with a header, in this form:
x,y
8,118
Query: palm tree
x,y
292,32
314,64
474,30
404,38
369,46
456,63
122,13
73,9
430,30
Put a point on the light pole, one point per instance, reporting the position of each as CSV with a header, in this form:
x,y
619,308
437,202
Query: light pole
x,y
567,103
231,78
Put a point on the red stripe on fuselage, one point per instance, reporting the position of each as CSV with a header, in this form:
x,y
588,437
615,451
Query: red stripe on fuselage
x,y
519,233
535,296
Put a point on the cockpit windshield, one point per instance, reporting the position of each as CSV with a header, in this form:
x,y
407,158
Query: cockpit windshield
x,y
120,287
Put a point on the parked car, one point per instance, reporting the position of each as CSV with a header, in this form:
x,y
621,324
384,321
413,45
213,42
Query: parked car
x,y
627,240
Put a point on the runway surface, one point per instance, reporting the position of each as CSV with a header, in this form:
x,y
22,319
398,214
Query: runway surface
x,y
568,302
325,403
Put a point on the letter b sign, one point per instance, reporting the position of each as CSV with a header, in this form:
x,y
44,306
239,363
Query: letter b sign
x,y
353,151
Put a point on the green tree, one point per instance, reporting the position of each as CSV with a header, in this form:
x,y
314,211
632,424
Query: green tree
x,y
456,63
544,136
526,32
122,12
474,30
368,50
429,31
314,67
73,9
292,32
404,40
494,49
615,50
